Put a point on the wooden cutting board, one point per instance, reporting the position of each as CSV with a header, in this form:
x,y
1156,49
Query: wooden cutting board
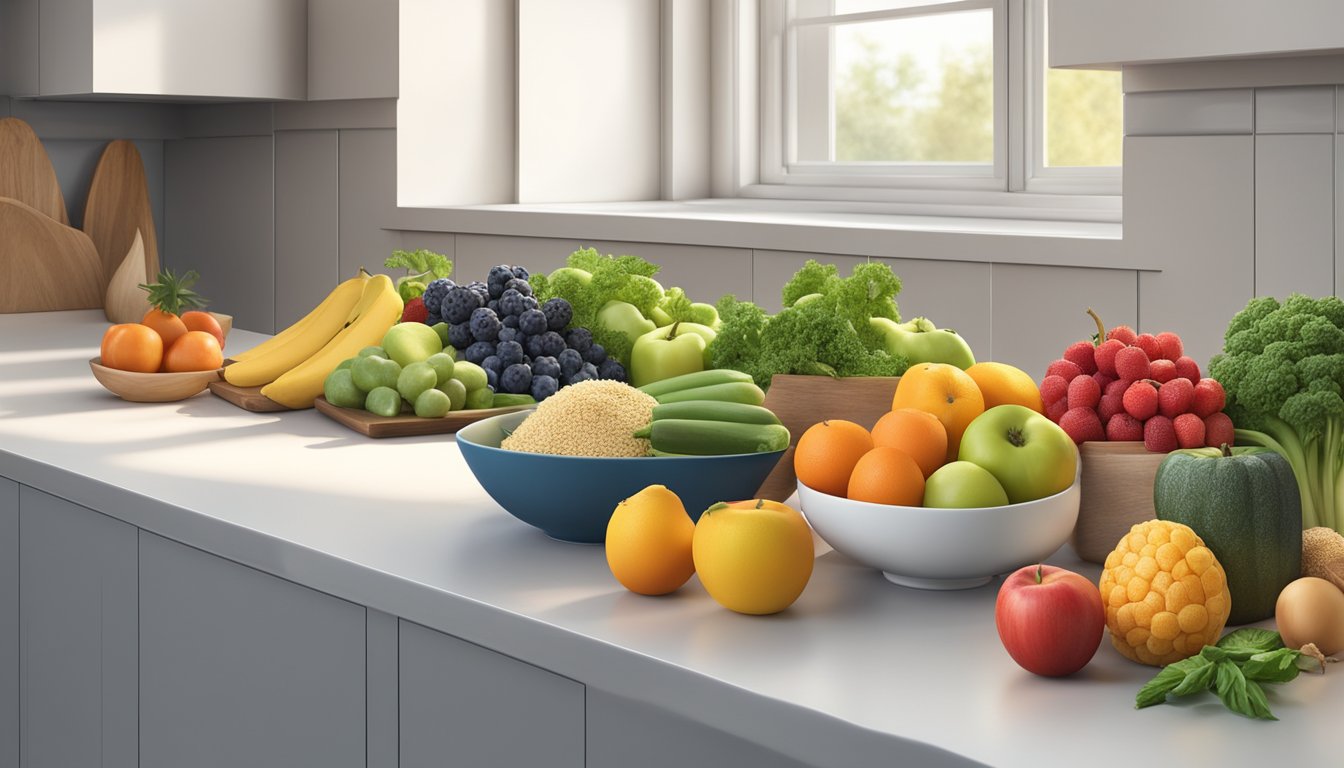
x,y
247,398
26,174
118,206
407,424
45,265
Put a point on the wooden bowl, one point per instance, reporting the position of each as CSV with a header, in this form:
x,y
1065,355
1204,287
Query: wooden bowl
x,y
152,387
1117,493
801,401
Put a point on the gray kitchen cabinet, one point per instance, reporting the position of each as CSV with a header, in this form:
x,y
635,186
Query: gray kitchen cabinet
x,y
9,623
240,668
77,644
464,705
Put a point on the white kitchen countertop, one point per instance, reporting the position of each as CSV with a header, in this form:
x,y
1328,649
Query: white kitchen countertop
x,y
858,672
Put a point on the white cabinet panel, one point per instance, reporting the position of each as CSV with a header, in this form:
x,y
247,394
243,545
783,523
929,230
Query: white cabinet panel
x,y
368,185
1295,110
9,624
1294,215
1178,113
307,226
352,49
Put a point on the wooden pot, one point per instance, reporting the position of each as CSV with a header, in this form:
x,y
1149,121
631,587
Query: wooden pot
x,y
1117,492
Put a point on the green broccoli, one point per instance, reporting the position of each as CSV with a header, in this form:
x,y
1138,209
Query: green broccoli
x,y
1282,367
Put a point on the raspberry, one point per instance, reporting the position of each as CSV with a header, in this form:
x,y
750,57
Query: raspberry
x,y
1148,343
1189,430
1209,398
1082,424
1054,388
1187,368
1159,435
1117,388
1103,381
1105,356
1084,393
1069,370
1122,426
1132,363
1056,410
414,311
1218,430
1080,354
1175,398
1141,400
1124,333
1162,371
1170,346
1109,406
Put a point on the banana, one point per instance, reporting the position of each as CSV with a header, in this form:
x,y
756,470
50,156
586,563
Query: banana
x,y
330,318
379,309
341,293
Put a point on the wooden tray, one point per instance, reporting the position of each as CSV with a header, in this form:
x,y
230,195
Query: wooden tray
x,y
247,398
801,401
408,424
1117,492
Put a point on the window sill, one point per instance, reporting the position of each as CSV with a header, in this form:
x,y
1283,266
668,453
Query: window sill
x,y
802,226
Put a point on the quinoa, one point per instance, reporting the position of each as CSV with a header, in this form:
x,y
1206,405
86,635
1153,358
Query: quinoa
x,y
592,418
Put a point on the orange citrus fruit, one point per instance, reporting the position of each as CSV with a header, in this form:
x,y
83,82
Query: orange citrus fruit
x,y
649,542
196,320
887,476
916,432
827,452
1003,384
193,351
168,325
945,391
132,347
753,556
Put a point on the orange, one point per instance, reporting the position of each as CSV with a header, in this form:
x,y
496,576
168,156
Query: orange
x,y
194,351
1003,384
916,432
132,347
827,453
753,556
196,320
887,476
649,542
944,391
169,326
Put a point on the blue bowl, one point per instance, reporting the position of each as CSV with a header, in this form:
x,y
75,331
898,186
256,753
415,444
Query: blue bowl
x,y
571,498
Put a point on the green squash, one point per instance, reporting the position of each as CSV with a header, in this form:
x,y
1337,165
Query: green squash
x,y
1244,503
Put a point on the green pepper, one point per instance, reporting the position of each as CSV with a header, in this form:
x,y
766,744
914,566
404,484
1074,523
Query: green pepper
x,y
921,342
671,351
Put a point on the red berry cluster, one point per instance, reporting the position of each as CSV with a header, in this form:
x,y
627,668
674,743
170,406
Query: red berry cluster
x,y
1135,386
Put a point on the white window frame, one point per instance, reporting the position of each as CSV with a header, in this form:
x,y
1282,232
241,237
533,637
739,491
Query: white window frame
x,y
1018,175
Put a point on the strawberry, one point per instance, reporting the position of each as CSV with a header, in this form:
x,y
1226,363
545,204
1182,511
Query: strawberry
x,y
1170,346
1056,410
1054,388
1218,430
1122,426
1148,343
414,311
1082,424
1109,406
1123,333
1187,368
1081,354
1174,398
1189,430
1162,370
1105,356
1141,400
1159,435
1117,387
1209,398
1132,363
1084,393
1066,368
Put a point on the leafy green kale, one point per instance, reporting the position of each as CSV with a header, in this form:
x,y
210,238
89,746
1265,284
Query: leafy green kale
x,y
590,280
677,305
422,264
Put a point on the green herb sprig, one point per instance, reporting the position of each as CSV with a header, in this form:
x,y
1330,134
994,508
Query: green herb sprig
x,y
1234,669
422,267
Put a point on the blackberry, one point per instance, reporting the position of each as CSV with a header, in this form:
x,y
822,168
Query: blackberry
x,y
434,293
521,273
496,279
571,362
532,322
510,352
534,346
516,379
492,379
552,343
546,366
477,352
492,363
507,334
611,369
459,303
493,304
588,370
485,325
480,289
510,321
521,286
558,313
581,376
529,302
543,387
595,355
432,319
459,335
579,339
511,303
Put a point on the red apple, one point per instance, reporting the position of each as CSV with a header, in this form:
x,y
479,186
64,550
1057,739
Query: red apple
x,y
1050,619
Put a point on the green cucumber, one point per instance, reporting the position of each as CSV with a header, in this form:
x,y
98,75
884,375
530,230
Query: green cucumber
x,y
656,452
694,380
731,392
714,438
715,410
506,400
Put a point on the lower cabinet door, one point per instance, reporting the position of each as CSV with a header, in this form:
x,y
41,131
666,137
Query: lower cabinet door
x,y
77,642
9,623
240,668
464,705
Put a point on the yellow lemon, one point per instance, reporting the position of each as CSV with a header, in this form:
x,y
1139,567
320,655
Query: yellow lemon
x,y
753,556
649,542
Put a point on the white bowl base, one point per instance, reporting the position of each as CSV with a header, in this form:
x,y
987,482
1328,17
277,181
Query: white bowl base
x,y
938,584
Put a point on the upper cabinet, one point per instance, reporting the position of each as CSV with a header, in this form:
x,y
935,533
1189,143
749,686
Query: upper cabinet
x,y
170,49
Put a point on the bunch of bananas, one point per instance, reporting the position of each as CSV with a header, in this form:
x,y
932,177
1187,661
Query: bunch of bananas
x,y
291,367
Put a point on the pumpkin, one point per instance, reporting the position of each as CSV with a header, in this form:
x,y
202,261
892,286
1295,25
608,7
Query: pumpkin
x,y
1244,503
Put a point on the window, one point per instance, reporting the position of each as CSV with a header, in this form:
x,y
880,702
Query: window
x,y
860,96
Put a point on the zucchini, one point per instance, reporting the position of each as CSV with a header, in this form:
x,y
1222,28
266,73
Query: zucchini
x,y
714,438
694,380
506,400
715,410
730,392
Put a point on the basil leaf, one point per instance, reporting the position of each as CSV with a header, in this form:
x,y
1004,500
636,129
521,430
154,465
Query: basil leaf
x,y
1230,685
1259,704
1248,641
1155,691
1273,666
1214,654
1198,678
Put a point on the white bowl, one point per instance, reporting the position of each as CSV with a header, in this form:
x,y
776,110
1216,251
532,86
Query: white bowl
x,y
932,548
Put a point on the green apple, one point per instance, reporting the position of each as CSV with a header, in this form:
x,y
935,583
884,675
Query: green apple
x,y
963,485
411,343
414,379
456,392
372,352
666,352
919,341
340,389
1028,453
371,372
624,317
442,330
443,366
346,363
471,375
660,316
479,398
432,404
705,314
383,401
